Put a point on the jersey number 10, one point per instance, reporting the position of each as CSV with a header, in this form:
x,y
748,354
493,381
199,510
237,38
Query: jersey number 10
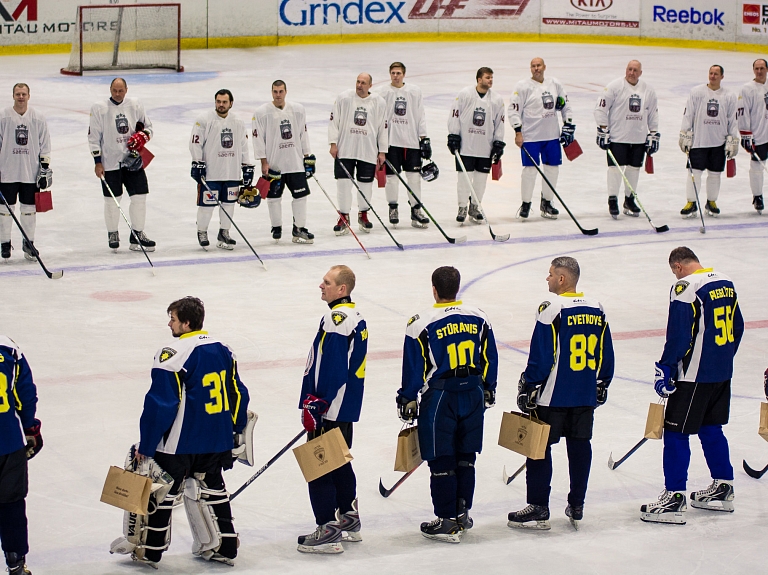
x,y
461,354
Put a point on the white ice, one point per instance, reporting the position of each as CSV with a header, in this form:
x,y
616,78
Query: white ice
x,y
90,337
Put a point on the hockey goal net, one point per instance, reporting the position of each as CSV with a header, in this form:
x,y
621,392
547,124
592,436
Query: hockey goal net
x,y
126,36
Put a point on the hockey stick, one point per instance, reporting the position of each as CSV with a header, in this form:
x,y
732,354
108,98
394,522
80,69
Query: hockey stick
x,y
614,465
233,223
130,226
451,240
590,232
507,479
267,465
370,207
387,492
660,229
703,228
35,253
344,219
496,238
752,472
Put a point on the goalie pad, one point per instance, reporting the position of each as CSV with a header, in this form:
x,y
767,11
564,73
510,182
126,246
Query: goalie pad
x,y
243,449
202,504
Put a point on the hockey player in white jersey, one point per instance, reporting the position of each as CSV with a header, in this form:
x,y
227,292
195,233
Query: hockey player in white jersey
x,y
752,117
709,136
281,143
408,142
358,138
476,131
219,148
532,113
117,132
627,116
25,158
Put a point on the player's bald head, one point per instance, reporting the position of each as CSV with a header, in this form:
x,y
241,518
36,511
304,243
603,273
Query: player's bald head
x,y
760,62
117,82
538,62
635,64
365,77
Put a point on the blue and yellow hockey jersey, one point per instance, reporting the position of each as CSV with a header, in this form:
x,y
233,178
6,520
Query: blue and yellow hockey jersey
x,y
18,397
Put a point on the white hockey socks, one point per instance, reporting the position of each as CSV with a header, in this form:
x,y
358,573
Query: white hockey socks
x,y
275,206
204,215
224,222
690,194
344,194
756,176
633,176
713,185
138,211
462,189
479,181
5,224
299,209
28,220
391,189
414,182
111,213
367,189
552,172
614,181
527,182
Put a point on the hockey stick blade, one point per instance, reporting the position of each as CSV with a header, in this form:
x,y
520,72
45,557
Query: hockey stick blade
x,y
495,237
613,465
35,253
659,229
387,492
507,479
346,223
753,472
267,465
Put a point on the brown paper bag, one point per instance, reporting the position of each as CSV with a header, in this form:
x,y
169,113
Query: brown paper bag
x,y
408,455
524,434
763,430
127,490
323,454
654,425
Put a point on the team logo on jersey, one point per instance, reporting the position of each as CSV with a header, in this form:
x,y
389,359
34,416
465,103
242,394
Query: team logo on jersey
x,y
713,108
286,133
547,101
635,103
227,140
478,117
337,317
361,117
22,135
310,360
166,353
544,305
121,124
413,319
401,106
681,286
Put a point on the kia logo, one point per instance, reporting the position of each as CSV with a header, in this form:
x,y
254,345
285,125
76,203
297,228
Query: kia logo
x,y
592,5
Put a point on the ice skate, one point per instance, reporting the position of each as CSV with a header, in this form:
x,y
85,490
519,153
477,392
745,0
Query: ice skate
x,y
575,514
690,210
418,219
224,241
362,220
717,497
30,253
442,529
349,523
202,239
613,207
475,214
5,250
524,211
530,517
630,207
341,229
548,210
394,214
757,202
670,508
302,236
464,519
137,237
16,564
325,539
462,215
711,208
211,555
277,233
143,560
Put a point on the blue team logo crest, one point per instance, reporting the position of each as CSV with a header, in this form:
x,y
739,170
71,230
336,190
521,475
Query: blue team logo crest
x,y
413,319
337,317
547,101
166,353
401,106
227,141
310,361
713,108
286,132
681,286
22,135
544,305
121,124
361,117
478,117
635,103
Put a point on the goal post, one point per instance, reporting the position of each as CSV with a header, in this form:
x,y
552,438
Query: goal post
x,y
126,36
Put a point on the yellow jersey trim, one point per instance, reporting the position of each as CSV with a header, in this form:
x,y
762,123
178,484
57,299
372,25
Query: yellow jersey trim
x,y
193,334
703,270
457,302
572,294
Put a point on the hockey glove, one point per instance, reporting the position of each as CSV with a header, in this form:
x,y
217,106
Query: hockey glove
x,y
747,141
765,384
247,176
407,409
34,439
137,142
489,397
559,103
454,143
497,151
526,395
45,177
198,171
652,143
567,135
270,185
662,381
603,138
426,148
309,165
132,162
602,393
312,411
686,141
731,147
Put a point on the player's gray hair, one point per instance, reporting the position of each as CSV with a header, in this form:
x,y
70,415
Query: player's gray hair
x,y
570,265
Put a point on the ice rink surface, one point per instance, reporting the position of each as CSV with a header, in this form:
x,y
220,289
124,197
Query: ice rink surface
x,y
90,337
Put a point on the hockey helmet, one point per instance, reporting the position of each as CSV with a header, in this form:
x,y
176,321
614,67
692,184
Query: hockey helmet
x,y
249,198
429,172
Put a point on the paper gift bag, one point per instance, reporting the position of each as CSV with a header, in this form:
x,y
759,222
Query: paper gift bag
x,y
408,455
524,434
496,171
323,454
763,430
572,151
43,201
381,176
127,490
730,168
654,425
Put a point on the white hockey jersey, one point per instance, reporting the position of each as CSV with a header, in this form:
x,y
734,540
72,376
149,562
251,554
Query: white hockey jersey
x,y
479,121
532,106
711,115
222,144
23,139
281,136
358,126
405,110
752,111
111,126
630,112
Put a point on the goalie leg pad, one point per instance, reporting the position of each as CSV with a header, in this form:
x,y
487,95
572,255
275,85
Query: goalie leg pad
x,y
243,450
210,517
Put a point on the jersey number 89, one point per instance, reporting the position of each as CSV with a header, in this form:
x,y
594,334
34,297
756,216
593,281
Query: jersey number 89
x,y
220,400
581,347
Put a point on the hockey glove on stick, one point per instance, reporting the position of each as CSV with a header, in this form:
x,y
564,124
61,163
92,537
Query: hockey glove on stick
x,y
426,148
685,141
731,147
454,143
248,172
602,393
45,177
34,439
270,185
497,151
198,171
407,409
312,410
662,381
747,141
309,165
603,138
526,395
568,134
489,397
137,142
652,143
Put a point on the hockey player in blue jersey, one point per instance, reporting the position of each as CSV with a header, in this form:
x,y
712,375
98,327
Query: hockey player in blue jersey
x,y
194,406
450,357
704,329
20,440
331,397
570,366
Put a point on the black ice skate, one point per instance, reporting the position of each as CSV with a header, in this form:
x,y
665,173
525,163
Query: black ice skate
x,y
690,210
16,564
443,529
475,214
277,232
394,214
630,207
464,519
670,508
30,253
548,210
202,238
462,215
137,237
224,241
575,514
5,250
325,539
114,240
712,209
302,236
524,211
349,523
613,207
530,517
717,497
418,219
757,202
365,224
341,229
